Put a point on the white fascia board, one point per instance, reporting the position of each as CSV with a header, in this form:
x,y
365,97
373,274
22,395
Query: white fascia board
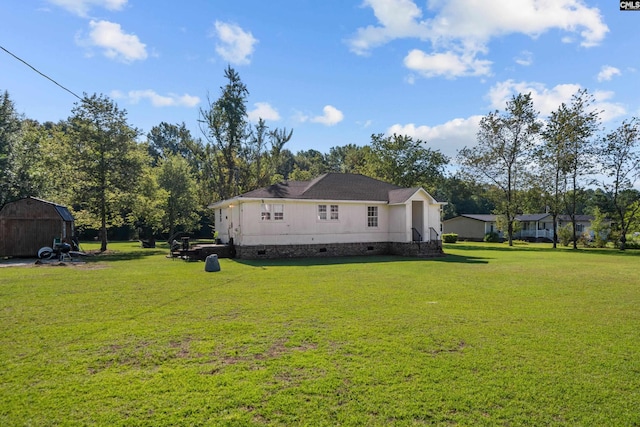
x,y
224,203
312,201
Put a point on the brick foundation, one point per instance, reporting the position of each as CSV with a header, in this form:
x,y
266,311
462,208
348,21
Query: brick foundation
x,y
422,249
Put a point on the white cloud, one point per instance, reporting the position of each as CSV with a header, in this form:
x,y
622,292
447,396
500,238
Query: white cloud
x,y
331,116
547,100
525,58
398,19
484,20
157,100
448,137
235,45
446,64
366,124
607,72
462,29
117,44
609,110
82,7
263,111
544,100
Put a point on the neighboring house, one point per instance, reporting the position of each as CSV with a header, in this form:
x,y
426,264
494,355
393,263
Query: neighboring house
x,y
334,214
28,224
470,226
532,226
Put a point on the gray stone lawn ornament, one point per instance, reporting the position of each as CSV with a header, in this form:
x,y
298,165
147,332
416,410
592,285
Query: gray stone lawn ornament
x,y
212,263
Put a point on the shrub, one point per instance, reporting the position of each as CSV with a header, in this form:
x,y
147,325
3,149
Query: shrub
x,y
492,237
450,238
600,229
565,235
632,245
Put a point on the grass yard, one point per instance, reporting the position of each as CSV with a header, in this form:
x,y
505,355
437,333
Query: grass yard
x,y
489,335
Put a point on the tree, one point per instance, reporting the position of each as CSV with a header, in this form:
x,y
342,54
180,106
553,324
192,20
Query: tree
x,y
600,228
552,163
224,125
180,202
108,162
10,125
581,122
148,204
167,139
400,160
620,162
501,156
25,172
278,155
464,197
255,155
348,159
308,164
286,165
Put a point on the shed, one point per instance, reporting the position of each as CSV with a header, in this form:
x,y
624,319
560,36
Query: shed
x,y
28,224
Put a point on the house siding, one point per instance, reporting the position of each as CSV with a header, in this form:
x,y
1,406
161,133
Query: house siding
x,y
301,225
465,228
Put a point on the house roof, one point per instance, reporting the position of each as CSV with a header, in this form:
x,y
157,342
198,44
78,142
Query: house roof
x,y
532,217
480,217
525,217
335,186
61,210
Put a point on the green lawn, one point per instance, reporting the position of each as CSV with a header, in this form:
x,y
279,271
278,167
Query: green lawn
x,y
489,335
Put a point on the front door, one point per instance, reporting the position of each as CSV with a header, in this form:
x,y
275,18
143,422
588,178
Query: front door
x,y
417,221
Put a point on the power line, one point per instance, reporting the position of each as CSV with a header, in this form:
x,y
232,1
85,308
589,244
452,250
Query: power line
x,y
41,73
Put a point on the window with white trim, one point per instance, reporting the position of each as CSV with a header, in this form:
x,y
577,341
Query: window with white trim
x,y
334,213
278,212
372,216
272,211
328,214
265,214
322,212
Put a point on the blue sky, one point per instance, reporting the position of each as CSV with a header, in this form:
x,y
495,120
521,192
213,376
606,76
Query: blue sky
x,y
334,71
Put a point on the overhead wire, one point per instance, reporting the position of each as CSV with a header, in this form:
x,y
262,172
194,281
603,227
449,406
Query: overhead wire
x,y
39,72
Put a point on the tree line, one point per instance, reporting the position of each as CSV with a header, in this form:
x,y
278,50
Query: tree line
x,y
112,176
559,162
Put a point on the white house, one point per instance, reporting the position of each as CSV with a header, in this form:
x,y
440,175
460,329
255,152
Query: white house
x,y
333,214
537,227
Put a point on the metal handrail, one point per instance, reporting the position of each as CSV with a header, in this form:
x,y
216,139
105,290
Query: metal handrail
x,y
433,234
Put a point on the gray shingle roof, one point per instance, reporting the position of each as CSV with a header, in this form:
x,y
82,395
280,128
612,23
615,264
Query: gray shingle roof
x,y
335,186
480,217
532,217
526,217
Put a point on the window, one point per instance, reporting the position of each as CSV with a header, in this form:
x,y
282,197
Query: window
x,y
322,212
334,212
278,212
275,212
266,212
372,216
